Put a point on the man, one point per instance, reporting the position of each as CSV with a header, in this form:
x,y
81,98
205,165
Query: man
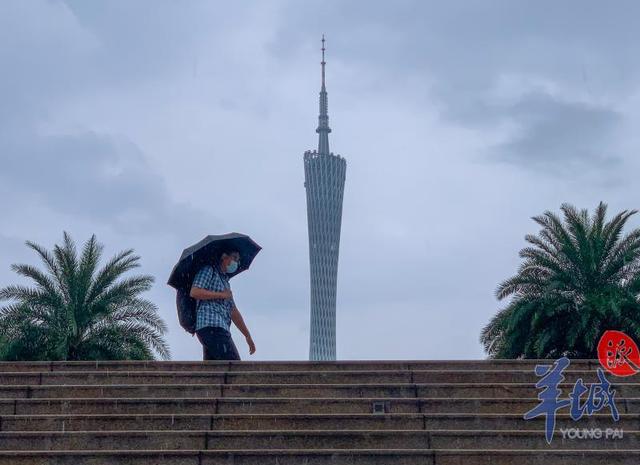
x,y
216,309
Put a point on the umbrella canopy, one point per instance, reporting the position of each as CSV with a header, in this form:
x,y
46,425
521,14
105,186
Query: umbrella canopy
x,y
204,252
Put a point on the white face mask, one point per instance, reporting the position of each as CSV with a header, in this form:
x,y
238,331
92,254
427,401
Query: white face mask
x,y
232,267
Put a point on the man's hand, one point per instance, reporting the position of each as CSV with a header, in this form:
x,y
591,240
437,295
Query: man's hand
x,y
252,346
226,294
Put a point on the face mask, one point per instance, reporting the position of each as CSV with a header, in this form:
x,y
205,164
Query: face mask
x,y
232,267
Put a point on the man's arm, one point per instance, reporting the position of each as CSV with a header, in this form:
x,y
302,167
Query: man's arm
x,y
205,294
237,319
203,280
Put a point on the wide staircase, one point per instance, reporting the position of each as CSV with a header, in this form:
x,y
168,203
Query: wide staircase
x,y
304,413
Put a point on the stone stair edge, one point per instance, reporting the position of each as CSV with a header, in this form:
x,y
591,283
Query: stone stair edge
x,y
276,385
271,399
296,415
309,362
292,432
235,366
261,452
258,373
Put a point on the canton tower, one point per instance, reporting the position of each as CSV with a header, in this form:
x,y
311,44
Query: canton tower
x,y
324,175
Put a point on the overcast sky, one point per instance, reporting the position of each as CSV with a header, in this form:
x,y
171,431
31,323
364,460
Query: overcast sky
x,y
154,123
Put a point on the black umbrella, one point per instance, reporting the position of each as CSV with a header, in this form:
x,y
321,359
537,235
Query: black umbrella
x,y
204,252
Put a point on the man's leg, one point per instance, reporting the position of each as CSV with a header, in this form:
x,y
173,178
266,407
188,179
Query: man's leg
x,y
232,353
228,348
211,347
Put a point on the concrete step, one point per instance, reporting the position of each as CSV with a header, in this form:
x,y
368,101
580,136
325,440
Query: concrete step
x,y
296,377
434,412
277,405
307,440
231,422
301,365
325,457
451,390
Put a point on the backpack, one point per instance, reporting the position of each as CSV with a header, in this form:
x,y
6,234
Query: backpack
x,y
186,307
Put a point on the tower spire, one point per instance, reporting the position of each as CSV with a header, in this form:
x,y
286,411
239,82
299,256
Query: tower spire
x,y
323,128
323,62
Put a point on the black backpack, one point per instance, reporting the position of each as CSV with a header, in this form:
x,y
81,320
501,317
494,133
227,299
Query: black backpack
x,y
186,306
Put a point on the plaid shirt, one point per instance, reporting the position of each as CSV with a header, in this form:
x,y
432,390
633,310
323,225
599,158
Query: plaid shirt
x,y
213,312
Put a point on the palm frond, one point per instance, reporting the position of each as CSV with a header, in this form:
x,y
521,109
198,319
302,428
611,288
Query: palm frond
x,y
576,280
111,271
75,312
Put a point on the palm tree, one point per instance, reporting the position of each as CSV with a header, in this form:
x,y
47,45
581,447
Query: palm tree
x,y
579,279
77,312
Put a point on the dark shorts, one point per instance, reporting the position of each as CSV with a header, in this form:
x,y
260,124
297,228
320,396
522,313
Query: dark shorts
x,y
217,344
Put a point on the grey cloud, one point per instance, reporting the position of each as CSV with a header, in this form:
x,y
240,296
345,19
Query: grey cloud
x,y
97,177
465,44
560,136
462,49
56,49
141,39
51,49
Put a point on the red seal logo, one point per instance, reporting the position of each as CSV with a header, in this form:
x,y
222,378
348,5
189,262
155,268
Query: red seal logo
x,y
618,353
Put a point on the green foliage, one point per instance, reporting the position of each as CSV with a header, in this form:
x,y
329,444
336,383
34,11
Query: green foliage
x,y
578,279
76,311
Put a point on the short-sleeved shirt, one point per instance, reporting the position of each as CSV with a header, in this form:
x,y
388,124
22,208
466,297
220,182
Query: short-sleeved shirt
x,y
213,312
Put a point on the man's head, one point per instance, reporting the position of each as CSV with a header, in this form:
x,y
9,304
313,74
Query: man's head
x,y
229,261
